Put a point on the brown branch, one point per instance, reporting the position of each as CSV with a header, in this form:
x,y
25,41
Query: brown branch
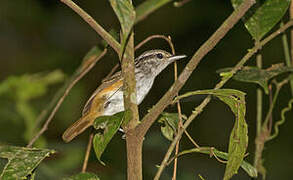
x,y
156,36
99,29
199,109
133,143
178,110
84,71
291,32
87,153
150,118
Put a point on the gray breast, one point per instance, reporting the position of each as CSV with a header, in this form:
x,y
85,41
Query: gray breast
x,y
114,103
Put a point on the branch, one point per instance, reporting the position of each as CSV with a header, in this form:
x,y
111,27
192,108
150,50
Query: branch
x,y
99,29
142,11
199,109
84,69
150,118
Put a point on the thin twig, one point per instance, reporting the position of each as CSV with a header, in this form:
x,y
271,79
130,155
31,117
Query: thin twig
x,y
259,105
271,116
179,113
112,71
287,52
191,139
98,28
156,36
291,31
87,153
139,46
84,72
151,117
278,85
199,109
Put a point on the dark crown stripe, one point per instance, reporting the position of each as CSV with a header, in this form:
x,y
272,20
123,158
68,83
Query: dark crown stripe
x,y
143,58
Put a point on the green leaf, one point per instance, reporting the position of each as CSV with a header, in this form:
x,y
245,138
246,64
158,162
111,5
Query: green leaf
x,y
24,88
29,86
147,7
83,176
259,76
262,17
247,167
89,60
21,161
125,12
238,138
110,125
170,124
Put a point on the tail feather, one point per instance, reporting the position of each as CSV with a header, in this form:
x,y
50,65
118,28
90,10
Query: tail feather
x,y
75,129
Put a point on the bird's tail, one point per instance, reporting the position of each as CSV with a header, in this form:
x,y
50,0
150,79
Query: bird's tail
x,y
76,128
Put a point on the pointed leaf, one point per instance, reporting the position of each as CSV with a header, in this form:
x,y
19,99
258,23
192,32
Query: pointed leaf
x,y
170,124
21,161
110,125
83,176
247,167
238,138
259,76
262,17
125,12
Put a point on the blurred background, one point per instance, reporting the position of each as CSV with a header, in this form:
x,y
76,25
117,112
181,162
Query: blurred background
x,y
45,41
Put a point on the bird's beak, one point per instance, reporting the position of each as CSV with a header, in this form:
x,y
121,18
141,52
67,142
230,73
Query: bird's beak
x,y
176,57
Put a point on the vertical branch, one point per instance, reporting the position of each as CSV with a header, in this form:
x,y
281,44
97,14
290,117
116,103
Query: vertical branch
x,y
87,153
291,31
259,104
288,58
133,142
259,96
179,117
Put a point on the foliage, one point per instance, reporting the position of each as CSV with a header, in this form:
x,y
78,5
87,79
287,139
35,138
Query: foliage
x,y
259,76
110,125
21,161
259,21
22,89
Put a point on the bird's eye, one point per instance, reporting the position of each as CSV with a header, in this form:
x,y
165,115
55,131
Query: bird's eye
x,y
160,56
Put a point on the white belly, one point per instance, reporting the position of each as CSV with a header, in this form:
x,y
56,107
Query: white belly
x,y
114,103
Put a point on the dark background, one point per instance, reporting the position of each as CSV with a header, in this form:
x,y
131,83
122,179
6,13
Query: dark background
x,y
42,35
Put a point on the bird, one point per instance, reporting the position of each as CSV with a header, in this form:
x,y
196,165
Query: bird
x,y
108,97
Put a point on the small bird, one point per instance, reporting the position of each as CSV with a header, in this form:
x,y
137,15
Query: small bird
x,y
108,97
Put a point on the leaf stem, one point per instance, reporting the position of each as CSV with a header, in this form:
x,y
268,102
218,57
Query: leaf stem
x,y
278,88
259,104
287,54
199,108
259,97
